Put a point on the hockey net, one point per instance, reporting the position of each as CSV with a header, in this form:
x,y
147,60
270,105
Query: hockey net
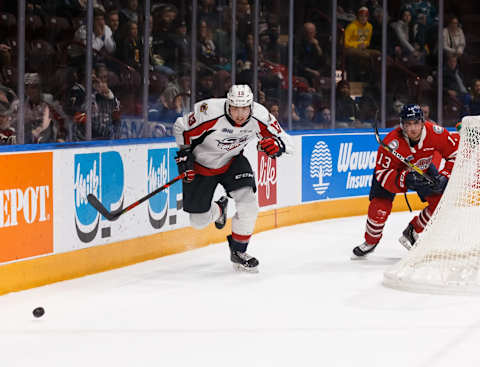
x,y
446,257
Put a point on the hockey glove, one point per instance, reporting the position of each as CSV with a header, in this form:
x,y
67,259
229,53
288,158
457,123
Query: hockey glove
x,y
272,146
439,181
185,160
422,186
440,184
416,182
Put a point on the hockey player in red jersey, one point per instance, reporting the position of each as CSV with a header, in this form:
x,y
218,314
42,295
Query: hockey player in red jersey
x,y
416,140
211,141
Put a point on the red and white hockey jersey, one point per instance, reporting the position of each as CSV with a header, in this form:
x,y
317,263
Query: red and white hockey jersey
x,y
215,140
390,172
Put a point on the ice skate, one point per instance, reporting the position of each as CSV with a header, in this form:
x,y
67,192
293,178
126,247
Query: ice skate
x,y
363,250
409,237
222,220
240,259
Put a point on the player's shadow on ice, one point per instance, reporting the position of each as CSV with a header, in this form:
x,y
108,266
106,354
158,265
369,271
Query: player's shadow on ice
x,y
375,260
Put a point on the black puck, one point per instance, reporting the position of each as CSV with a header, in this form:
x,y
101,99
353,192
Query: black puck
x,y
38,312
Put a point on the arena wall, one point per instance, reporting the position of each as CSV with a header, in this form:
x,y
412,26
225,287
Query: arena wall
x,y
50,233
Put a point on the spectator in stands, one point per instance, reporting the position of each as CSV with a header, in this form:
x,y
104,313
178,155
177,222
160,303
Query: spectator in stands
x,y
244,19
166,12
295,117
472,99
105,116
205,84
129,12
8,96
182,46
309,55
309,120
102,34
453,79
177,86
206,48
310,113
422,34
221,83
163,44
245,54
405,47
74,105
421,6
208,12
373,6
396,107
175,109
113,21
105,107
222,37
274,109
360,57
426,111
367,104
273,49
377,20
346,112
324,118
41,121
5,55
453,38
7,131
129,49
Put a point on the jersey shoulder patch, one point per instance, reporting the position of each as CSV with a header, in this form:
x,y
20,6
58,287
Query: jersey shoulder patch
x,y
393,145
209,108
437,129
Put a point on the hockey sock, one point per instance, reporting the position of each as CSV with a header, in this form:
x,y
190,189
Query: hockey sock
x,y
240,242
420,221
378,212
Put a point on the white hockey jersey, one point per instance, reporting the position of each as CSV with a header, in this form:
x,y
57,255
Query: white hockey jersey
x,y
215,140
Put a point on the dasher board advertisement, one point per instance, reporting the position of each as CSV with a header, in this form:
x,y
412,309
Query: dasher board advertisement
x,y
337,166
26,205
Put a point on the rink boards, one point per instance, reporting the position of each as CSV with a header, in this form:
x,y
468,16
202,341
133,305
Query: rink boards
x,y
49,232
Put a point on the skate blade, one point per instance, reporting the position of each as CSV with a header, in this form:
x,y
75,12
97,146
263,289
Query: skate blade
x,y
243,269
405,243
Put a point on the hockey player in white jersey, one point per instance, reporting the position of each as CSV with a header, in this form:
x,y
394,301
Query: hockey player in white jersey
x,y
211,141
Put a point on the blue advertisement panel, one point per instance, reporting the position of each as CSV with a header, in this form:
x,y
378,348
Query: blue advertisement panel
x,y
100,174
164,205
337,165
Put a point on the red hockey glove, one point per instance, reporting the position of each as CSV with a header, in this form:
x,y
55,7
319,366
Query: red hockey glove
x,y
185,161
272,146
401,179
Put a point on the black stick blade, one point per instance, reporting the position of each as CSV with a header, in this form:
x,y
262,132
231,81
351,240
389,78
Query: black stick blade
x,y
99,207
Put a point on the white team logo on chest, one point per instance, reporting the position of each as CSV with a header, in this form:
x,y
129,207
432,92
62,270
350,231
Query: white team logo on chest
x,y
231,143
424,163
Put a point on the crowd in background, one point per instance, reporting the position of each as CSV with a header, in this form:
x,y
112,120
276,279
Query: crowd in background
x,y
55,36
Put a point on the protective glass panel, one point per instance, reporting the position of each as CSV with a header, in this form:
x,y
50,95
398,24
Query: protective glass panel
x,y
8,73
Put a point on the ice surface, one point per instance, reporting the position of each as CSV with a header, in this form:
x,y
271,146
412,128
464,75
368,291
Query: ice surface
x,y
310,305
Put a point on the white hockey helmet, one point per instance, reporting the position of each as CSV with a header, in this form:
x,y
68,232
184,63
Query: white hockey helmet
x,y
239,95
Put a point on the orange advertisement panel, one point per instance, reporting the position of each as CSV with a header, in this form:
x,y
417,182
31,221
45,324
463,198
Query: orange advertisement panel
x,y
26,205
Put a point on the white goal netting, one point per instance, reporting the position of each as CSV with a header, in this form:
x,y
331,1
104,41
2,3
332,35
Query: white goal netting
x,y
446,258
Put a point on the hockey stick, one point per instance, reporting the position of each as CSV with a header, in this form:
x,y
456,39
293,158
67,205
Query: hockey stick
x,y
400,157
114,215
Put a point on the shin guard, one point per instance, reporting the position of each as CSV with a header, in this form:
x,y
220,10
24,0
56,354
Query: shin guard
x,y
378,212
